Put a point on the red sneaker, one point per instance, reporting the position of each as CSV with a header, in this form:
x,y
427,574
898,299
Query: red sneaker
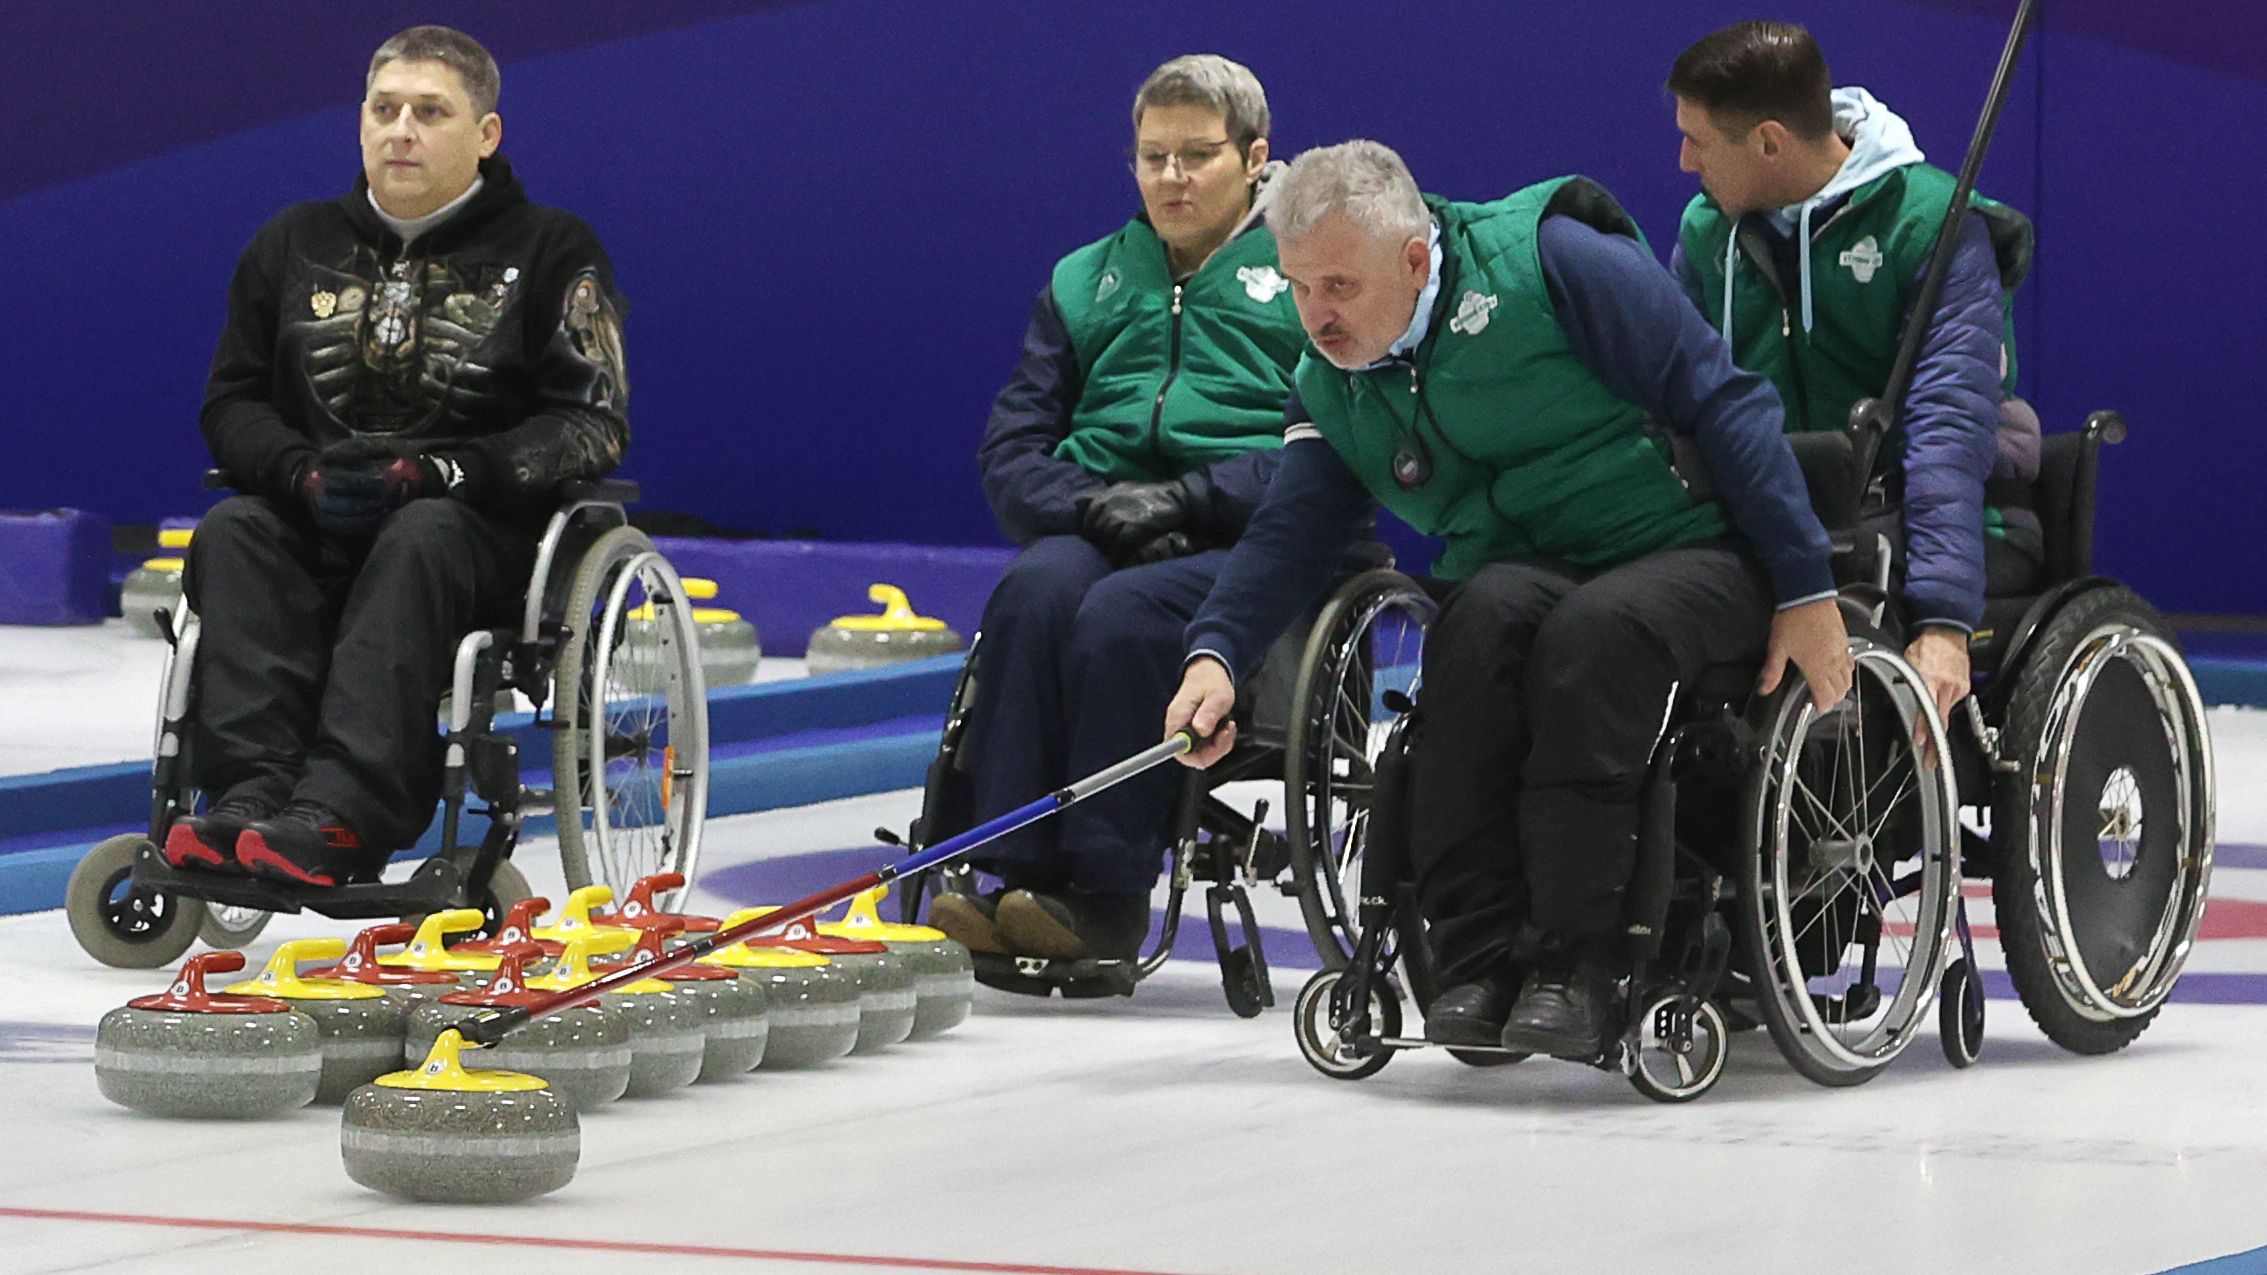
x,y
209,840
306,845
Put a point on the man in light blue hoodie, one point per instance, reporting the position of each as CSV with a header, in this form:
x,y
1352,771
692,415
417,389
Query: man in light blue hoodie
x,y
1806,248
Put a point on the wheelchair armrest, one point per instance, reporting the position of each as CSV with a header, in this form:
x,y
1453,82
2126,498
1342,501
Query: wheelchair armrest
x,y
613,491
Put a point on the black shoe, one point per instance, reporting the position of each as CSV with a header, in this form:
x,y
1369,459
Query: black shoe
x,y
209,840
1471,1013
972,920
1072,925
306,845
1565,1009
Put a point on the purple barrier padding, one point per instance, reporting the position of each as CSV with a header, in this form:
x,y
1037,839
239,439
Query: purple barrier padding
x,y
787,588
54,567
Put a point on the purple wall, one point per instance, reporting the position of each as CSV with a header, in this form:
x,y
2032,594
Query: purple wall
x,y
830,217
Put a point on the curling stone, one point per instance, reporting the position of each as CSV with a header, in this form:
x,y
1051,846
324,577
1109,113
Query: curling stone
x,y
639,911
944,977
583,1052
428,951
447,1134
734,1025
517,930
886,1000
190,1052
361,1025
872,641
361,965
575,922
668,1035
730,647
154,586
811,1004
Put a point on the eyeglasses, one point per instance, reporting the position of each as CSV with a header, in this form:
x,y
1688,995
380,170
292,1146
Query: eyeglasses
x,y
1188,159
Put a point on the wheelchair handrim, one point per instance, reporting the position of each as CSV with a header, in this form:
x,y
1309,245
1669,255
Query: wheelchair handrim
x,y
2180,713
683,700
1772,899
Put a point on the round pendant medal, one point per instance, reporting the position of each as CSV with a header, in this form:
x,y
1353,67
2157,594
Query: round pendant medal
x,y
1411,467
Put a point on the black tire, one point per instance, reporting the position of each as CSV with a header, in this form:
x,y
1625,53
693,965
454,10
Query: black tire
x,y
506,885
597,601
1960,1016
119,925
1324,812
2167,777
1239,983
1665,1074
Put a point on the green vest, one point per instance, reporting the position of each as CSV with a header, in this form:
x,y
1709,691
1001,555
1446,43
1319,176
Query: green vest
x,y
1175,376
1864,259
1531,456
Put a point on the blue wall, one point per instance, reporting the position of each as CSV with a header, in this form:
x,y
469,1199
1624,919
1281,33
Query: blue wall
x,y
830,218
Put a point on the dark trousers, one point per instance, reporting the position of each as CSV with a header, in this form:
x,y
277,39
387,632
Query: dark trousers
x,y
1075,666
321,662
1545,689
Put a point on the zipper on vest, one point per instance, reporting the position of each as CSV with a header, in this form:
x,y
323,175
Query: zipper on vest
x,y
1800,408
1172,369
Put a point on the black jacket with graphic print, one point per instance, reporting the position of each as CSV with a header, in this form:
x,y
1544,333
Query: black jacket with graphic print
x,y
494,341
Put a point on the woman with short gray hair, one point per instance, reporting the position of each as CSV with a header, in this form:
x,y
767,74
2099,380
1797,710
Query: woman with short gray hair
x,y
1125,455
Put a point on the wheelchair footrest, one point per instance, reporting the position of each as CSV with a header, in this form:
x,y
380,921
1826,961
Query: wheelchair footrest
x,y
438,883
1038,976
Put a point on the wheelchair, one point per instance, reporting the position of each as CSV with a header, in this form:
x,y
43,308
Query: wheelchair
x,y
1807,866
607,654
1211,843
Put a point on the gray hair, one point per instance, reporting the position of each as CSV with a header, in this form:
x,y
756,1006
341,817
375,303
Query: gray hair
x,y
452,48
1363,181
1214,83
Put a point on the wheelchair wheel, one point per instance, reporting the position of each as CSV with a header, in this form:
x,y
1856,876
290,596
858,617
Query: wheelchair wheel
x,y
1851,871
1960,1015
120,924
630,745
1321,1044
232,928
945,800
1680,1049
1367,643
2105,834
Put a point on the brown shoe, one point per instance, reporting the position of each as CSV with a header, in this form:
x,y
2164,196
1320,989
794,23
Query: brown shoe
x,y
970,920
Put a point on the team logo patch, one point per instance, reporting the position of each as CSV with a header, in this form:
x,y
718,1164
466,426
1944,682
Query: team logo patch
x,y
1109,285
1863,259
1472,313
1261,283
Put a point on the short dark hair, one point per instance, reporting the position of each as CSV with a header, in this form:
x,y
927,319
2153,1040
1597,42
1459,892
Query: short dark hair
x,y
1757,71
452,48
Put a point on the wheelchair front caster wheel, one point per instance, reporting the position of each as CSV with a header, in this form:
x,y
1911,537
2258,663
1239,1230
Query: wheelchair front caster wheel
x,y
230,928
1351,1055
1960,1015
1240,982
1679,1049
119,923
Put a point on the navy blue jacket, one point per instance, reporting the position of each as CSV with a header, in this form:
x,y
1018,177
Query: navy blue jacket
x,y
1951,422
1629,325
1034,493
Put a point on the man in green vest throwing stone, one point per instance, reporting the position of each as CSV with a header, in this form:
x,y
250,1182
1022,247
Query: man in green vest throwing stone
x,y
1523,380
1124,456
1806,248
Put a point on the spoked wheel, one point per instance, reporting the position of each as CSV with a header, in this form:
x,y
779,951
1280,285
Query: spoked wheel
x,y
2106,832
1851,870
1680,1048
1367,645
120,924
630,753
1347,1056
231,928
1960,1015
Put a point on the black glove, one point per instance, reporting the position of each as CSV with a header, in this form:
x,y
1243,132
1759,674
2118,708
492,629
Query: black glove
x,y
406,472
1165,548
346,503
1122,517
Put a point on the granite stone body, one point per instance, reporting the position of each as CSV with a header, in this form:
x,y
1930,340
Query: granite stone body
x,y
219,1066
442,1146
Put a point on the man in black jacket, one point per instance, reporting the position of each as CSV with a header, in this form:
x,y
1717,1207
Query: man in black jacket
x,y
406,373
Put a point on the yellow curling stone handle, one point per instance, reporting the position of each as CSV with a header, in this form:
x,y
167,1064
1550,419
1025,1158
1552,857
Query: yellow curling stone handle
x,y
864,921
426,951
897,615
280,977
443,1071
